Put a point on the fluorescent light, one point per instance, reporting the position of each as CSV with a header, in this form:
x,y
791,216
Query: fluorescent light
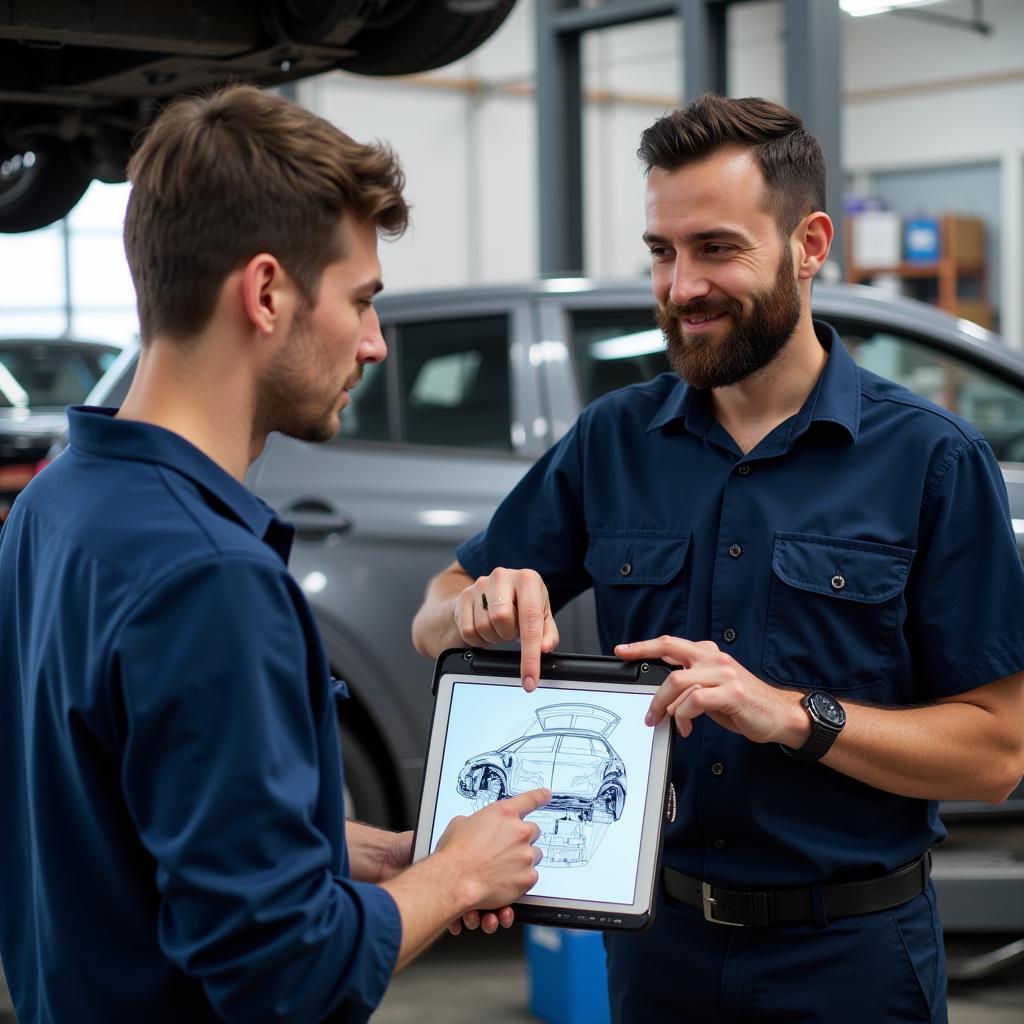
x,y
862,8
442,517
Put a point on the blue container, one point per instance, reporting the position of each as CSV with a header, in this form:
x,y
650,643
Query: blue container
x,y
921,240
568,975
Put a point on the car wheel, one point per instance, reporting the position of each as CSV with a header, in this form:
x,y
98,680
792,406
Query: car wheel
x,y
492,789
609,804
39,185
366,798
408,37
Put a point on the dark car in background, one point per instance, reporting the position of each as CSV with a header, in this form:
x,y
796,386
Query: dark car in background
x,y
478,383
38,378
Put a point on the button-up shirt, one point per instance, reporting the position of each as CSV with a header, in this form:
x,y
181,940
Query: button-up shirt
x,y
171,812
863,547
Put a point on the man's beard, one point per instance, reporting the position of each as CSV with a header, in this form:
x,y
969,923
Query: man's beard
x,y
284,400
754,341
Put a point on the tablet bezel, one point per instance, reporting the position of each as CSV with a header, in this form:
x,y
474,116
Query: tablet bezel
x,y
567,673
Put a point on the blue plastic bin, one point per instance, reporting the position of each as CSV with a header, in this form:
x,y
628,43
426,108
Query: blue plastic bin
x,y
568,976
921,240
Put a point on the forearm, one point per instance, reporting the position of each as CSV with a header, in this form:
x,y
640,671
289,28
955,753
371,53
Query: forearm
x,y
429,896
434,629
945,751
367,849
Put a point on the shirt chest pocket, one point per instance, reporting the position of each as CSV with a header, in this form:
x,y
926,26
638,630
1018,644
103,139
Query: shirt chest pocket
x,y
834,609
641,582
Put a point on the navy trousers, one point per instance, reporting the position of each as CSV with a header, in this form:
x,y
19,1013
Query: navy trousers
x,y
880,968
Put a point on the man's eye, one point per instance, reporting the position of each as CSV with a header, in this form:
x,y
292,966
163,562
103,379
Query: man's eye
x,y
660,252
718,250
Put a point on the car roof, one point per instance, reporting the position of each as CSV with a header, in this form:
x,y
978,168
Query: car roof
x,y
62,342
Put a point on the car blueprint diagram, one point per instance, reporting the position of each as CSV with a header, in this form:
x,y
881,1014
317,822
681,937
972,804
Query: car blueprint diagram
x,y
571,755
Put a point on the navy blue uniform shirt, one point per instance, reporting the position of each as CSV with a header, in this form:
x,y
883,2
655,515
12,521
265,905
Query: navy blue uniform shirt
x,y
172,815
864,547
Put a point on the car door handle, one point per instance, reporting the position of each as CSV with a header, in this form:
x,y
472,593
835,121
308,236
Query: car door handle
x,y
314,520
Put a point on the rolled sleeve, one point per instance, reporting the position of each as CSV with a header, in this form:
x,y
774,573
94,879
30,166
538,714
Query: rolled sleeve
x,y
966,624
540,524
222,775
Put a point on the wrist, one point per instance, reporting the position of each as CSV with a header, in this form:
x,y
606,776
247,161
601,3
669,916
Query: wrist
x,y
797,723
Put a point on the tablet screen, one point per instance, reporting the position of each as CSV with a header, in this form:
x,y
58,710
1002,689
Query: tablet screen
x,y
587,743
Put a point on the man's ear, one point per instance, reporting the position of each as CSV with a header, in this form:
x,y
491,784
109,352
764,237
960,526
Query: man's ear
x,y
813,240
266,292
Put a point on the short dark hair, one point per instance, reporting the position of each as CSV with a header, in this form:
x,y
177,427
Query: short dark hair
x,y
790,157
224,176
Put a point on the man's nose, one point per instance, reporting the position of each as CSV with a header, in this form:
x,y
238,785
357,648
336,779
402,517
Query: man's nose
x,y
688,282
372,346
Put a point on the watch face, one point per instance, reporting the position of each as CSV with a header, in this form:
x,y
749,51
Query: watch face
x,y
828,710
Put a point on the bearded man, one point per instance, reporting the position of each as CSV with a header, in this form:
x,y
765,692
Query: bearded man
x,y
828,559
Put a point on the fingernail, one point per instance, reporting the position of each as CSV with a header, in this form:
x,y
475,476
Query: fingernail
x,y
649,718
621,647
529,683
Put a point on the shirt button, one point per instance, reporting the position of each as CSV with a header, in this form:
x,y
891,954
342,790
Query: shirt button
x,y
718,768
625,569
720,843
744,469
728,635
735,550
838,582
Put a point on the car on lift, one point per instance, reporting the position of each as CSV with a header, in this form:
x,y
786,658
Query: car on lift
x,y
80,78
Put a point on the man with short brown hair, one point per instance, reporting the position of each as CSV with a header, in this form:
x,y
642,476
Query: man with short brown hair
x,y
829,560
175,845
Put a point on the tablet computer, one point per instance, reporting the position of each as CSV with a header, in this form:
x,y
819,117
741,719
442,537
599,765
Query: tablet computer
x,y
581,733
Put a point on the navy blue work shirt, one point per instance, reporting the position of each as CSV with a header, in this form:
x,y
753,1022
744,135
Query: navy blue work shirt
x,y
172,814
864,547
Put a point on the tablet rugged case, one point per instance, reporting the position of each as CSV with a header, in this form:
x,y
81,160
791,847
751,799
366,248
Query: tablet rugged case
x,y
591,807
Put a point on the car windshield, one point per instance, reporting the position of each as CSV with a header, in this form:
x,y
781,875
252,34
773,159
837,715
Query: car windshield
x,y
51,374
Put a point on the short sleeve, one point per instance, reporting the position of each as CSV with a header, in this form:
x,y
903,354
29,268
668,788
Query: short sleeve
x,y
539,525
221,774
965,623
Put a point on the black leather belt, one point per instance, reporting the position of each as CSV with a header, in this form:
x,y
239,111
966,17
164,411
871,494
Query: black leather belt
x,y
797,906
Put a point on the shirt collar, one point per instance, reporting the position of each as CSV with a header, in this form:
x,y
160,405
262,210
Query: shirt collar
x,y
95,430
834,399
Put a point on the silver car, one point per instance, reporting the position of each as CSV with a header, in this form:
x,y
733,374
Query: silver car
x,y
478,383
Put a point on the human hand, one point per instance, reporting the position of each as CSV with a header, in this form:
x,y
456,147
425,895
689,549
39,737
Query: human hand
x,y
492,851
488,921
506,604
711,682
397,857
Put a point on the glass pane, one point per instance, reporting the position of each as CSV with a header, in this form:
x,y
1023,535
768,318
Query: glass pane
x,y
365,418
993,406
615,348
575,745
455,387
56,375
538,745
33,276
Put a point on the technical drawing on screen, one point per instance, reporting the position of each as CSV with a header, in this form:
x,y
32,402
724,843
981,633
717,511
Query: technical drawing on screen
x,y
572,756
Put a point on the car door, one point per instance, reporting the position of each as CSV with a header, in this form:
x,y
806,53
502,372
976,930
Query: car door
x,y
577,768
532,764
431,442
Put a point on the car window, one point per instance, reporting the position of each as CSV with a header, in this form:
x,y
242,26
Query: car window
x,y
613,348
576,745
538,745
993,406
56,375
454,385
365,418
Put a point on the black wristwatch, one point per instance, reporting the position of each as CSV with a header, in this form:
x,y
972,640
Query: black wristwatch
x,y
827,721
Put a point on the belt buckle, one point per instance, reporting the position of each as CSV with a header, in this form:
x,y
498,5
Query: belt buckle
x,y
709,902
